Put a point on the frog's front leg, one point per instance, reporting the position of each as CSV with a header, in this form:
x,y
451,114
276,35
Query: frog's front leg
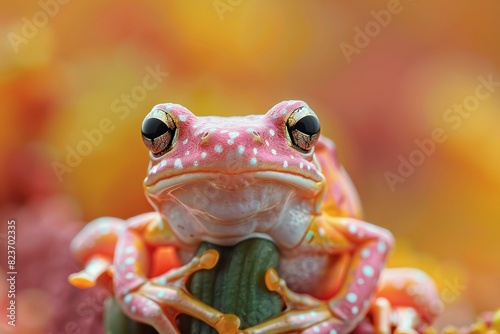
x,y
159,300
368,246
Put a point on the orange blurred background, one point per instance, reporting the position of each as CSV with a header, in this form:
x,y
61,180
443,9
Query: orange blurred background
x,y
380,74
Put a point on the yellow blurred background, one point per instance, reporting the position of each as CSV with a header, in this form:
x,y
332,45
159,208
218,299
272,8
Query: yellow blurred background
x,y
380,74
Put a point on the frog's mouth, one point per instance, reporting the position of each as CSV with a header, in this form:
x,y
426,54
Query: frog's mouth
x,y
232,198
236,181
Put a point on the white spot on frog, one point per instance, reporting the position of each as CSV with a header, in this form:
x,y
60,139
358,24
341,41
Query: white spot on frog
x,y
271,132
178,163
185,141
301,165
273,151
187,153
285,164
203,155
233,134
182,118
253,161
381,246
218,148
255,150
351,297
368,271
241,149
353,229
365,253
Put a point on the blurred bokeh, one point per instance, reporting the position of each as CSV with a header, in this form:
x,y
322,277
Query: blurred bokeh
x,y
382,76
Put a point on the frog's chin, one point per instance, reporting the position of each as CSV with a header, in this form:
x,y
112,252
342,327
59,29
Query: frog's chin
x,y
206,211
231,204
213,200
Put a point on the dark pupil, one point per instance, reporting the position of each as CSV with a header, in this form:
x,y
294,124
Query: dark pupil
x,y
153,128
308,125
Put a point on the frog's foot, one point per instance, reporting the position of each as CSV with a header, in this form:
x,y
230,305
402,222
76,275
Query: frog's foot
x,y
143,308
416,298
167,292
403,319
303,313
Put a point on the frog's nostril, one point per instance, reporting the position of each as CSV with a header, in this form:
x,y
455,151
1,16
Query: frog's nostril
x,y
256,134
205,135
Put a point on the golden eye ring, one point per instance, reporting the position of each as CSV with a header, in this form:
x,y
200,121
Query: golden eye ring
x,y
159,132
303,128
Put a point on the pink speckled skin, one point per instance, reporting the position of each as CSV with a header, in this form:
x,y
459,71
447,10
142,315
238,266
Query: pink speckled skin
x,y
227,179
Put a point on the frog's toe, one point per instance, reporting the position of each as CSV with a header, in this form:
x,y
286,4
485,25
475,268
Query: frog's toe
x,y
209,259
81,280
272,280
227,324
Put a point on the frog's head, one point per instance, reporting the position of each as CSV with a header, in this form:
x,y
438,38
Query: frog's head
x,y
237,172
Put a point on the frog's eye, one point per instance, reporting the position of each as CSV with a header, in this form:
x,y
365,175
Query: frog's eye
x,y
303,128
158,132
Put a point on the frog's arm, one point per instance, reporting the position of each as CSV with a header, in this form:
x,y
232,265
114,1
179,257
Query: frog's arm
x,y
122,249
158,301
367,246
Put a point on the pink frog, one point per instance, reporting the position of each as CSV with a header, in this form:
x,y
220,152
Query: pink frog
x,y
272,176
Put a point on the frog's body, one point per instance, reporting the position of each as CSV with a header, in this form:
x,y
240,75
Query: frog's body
x,y
224,180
